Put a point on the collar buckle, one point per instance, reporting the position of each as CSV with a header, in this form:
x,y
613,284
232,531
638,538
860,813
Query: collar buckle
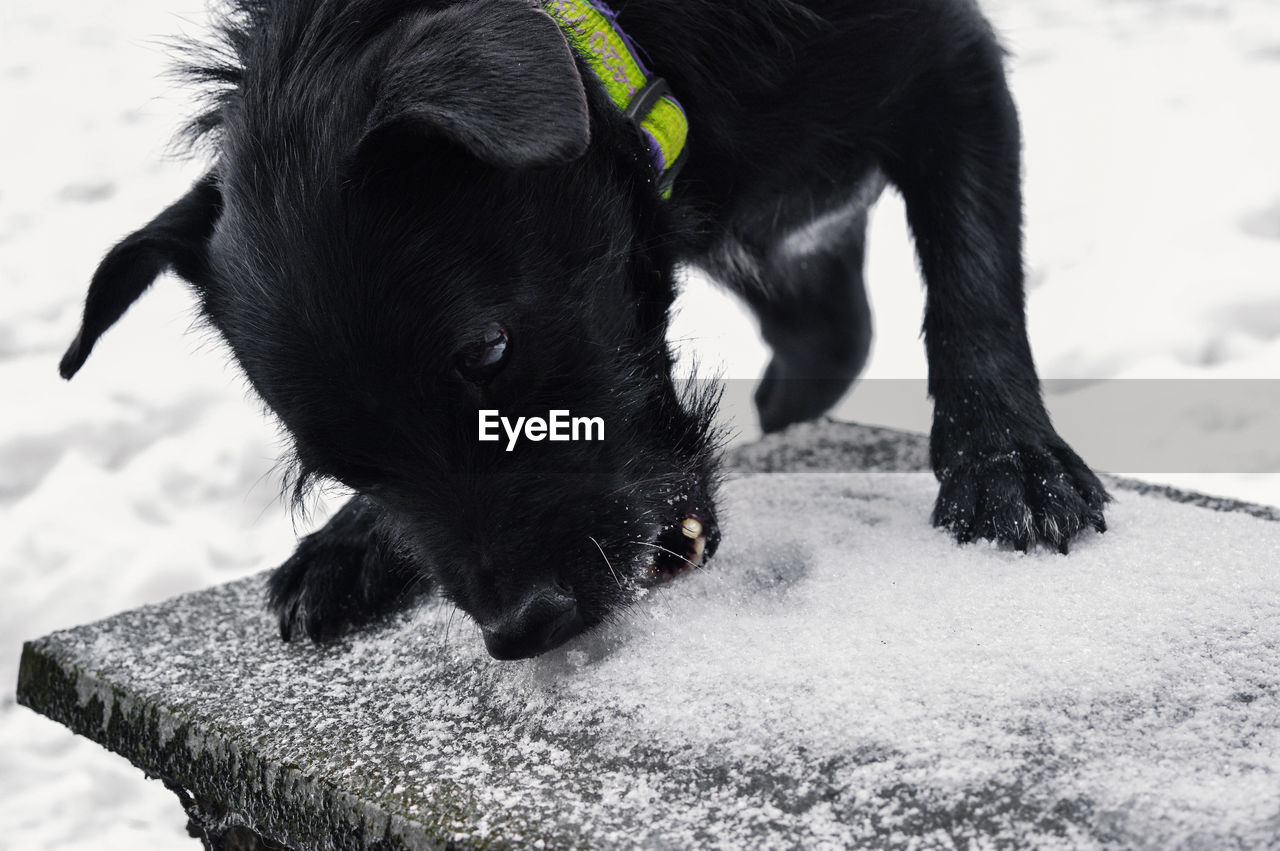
x,y
637,112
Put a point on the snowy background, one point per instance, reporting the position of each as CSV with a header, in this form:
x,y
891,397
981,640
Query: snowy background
x,y
1153,209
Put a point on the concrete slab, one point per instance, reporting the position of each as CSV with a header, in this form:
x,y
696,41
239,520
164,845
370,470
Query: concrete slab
x,y
842,674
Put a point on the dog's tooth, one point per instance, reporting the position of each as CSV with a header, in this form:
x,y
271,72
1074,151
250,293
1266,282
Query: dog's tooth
x,y
699,547
692,527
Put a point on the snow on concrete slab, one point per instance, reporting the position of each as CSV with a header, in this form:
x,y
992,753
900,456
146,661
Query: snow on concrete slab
x,y
842,672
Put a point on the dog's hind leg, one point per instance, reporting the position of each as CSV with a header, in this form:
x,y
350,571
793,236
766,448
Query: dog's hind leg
x,y
807,291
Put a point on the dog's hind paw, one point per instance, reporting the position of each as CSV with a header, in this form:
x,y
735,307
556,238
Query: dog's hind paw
x,y
340,578
1020,497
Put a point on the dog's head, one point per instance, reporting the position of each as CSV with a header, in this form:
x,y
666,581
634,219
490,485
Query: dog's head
x,y
416,218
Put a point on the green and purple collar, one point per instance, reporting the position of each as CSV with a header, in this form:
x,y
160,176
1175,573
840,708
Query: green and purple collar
x,y
592,29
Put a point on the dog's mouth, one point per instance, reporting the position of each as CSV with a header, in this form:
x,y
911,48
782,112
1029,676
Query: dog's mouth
x,y
683,546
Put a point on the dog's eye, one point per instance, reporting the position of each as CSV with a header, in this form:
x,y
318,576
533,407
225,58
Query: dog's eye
x,y
484,359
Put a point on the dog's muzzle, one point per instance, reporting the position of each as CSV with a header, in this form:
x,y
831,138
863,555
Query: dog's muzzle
x,y
684,546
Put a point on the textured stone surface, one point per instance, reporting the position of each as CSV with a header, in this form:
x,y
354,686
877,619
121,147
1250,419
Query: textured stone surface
x,y
829,446
841,674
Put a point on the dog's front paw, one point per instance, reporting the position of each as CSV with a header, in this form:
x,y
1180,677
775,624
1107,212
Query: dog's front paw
x,y
312,593
339,579
1021,496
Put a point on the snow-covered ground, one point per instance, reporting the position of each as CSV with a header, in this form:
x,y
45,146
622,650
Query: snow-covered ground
x,y
1153,202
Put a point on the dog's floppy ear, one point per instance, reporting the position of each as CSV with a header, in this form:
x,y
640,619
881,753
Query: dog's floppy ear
x,y
177,238
497,78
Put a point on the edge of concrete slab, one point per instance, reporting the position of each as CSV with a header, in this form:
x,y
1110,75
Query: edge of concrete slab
x,y
263,797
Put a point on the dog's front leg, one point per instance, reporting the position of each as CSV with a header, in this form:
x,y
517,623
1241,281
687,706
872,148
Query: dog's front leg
x,y
1005,473
343,576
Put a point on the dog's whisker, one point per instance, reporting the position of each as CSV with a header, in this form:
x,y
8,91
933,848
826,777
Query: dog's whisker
x,y
448,627
637,485
668,552
606,561
419,582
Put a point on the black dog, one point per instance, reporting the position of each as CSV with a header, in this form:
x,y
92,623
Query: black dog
x,y
420,210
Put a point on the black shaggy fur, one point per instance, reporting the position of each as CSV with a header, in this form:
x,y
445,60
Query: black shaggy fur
x,y
393,177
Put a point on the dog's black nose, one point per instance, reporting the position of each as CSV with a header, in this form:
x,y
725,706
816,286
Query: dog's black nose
x,y
546,619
